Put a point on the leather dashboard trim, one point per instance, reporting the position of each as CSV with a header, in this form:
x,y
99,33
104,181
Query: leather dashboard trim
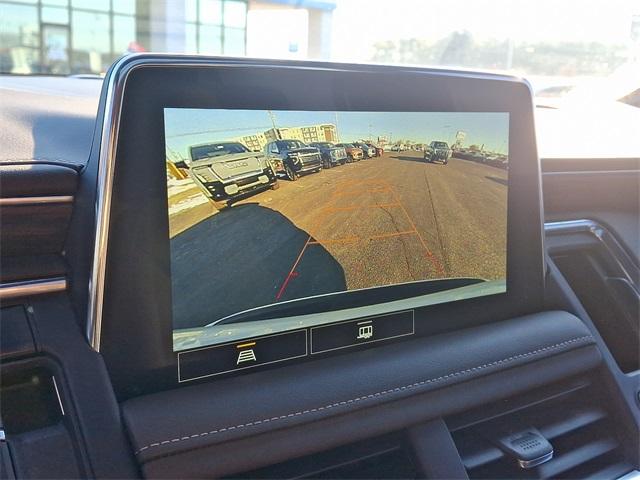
x,y
37,180
459,374
171,423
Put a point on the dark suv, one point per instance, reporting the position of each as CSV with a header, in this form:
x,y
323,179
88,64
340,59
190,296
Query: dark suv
x,y
437,151
296,157
331,155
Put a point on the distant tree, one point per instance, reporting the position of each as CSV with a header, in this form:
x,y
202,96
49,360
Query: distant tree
x,y
542,58
384,52
458,50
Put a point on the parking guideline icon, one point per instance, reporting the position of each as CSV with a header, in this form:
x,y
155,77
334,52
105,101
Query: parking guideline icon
x,y
246,355
241,354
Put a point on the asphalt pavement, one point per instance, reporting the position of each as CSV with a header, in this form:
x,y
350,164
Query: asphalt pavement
x,y
391,219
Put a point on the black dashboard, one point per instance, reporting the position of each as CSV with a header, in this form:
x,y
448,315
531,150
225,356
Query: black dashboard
x,y
403,378
129,303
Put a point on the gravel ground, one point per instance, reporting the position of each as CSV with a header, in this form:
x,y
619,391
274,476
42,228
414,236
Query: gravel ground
x,y
392,219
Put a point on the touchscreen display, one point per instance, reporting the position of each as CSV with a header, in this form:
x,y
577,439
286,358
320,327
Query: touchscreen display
x,y
271,210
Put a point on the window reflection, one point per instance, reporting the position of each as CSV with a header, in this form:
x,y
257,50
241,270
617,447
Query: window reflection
x,y
210,41
127,7
234,41
91,42
19,38
210,12
55,15
235,14
86,36
101,5
124,33
55,40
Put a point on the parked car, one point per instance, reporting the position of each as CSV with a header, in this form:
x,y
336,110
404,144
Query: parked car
x,y
331,155
468,154
367,151
378,150
227,170
354,154
491,159
477,156
496,160
296,157
437,151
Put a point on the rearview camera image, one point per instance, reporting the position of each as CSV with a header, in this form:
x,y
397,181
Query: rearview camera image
x,y
274,210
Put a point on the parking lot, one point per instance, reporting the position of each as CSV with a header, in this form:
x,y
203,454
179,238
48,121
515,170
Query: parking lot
x,y
390,219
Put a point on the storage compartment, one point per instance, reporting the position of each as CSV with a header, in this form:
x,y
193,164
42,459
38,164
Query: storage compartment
x,y
29,401
40,430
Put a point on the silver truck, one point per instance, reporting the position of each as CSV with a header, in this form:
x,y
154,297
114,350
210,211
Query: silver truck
x,y
228,170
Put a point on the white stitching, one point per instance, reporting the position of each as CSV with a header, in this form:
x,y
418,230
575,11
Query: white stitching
x,y
367,397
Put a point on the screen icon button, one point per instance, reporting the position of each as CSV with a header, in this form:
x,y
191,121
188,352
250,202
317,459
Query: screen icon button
x,y
246,355
365,330
361,331
241,354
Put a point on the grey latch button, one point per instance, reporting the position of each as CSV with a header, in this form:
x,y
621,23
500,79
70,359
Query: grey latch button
x,y
528,447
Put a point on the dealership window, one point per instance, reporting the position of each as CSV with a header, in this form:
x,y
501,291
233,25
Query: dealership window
x,y
124,32
91,41
215,27
19,37
85,36
127,7
64,36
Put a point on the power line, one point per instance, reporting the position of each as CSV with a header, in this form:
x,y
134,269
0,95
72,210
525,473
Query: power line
x,y
202,132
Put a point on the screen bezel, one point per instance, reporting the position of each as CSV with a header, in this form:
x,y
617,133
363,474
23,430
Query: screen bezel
x,y
136,326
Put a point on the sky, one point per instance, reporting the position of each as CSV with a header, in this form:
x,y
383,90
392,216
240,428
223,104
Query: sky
x,y
605,21
185,127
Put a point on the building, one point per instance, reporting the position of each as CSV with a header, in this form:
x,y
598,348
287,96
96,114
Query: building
x,y
276,134
307,33
325,132
382,141
253,142
85,36
319,133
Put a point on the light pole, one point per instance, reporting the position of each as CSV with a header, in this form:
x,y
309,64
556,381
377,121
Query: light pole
x,y
273,122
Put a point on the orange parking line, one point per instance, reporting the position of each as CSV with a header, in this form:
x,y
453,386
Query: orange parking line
x,y
335,240
356,207
386,188
360,239
372,181
393,234
352,193
314,224
435,262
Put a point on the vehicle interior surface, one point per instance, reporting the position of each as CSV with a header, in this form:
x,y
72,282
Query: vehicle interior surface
x,y
232,266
